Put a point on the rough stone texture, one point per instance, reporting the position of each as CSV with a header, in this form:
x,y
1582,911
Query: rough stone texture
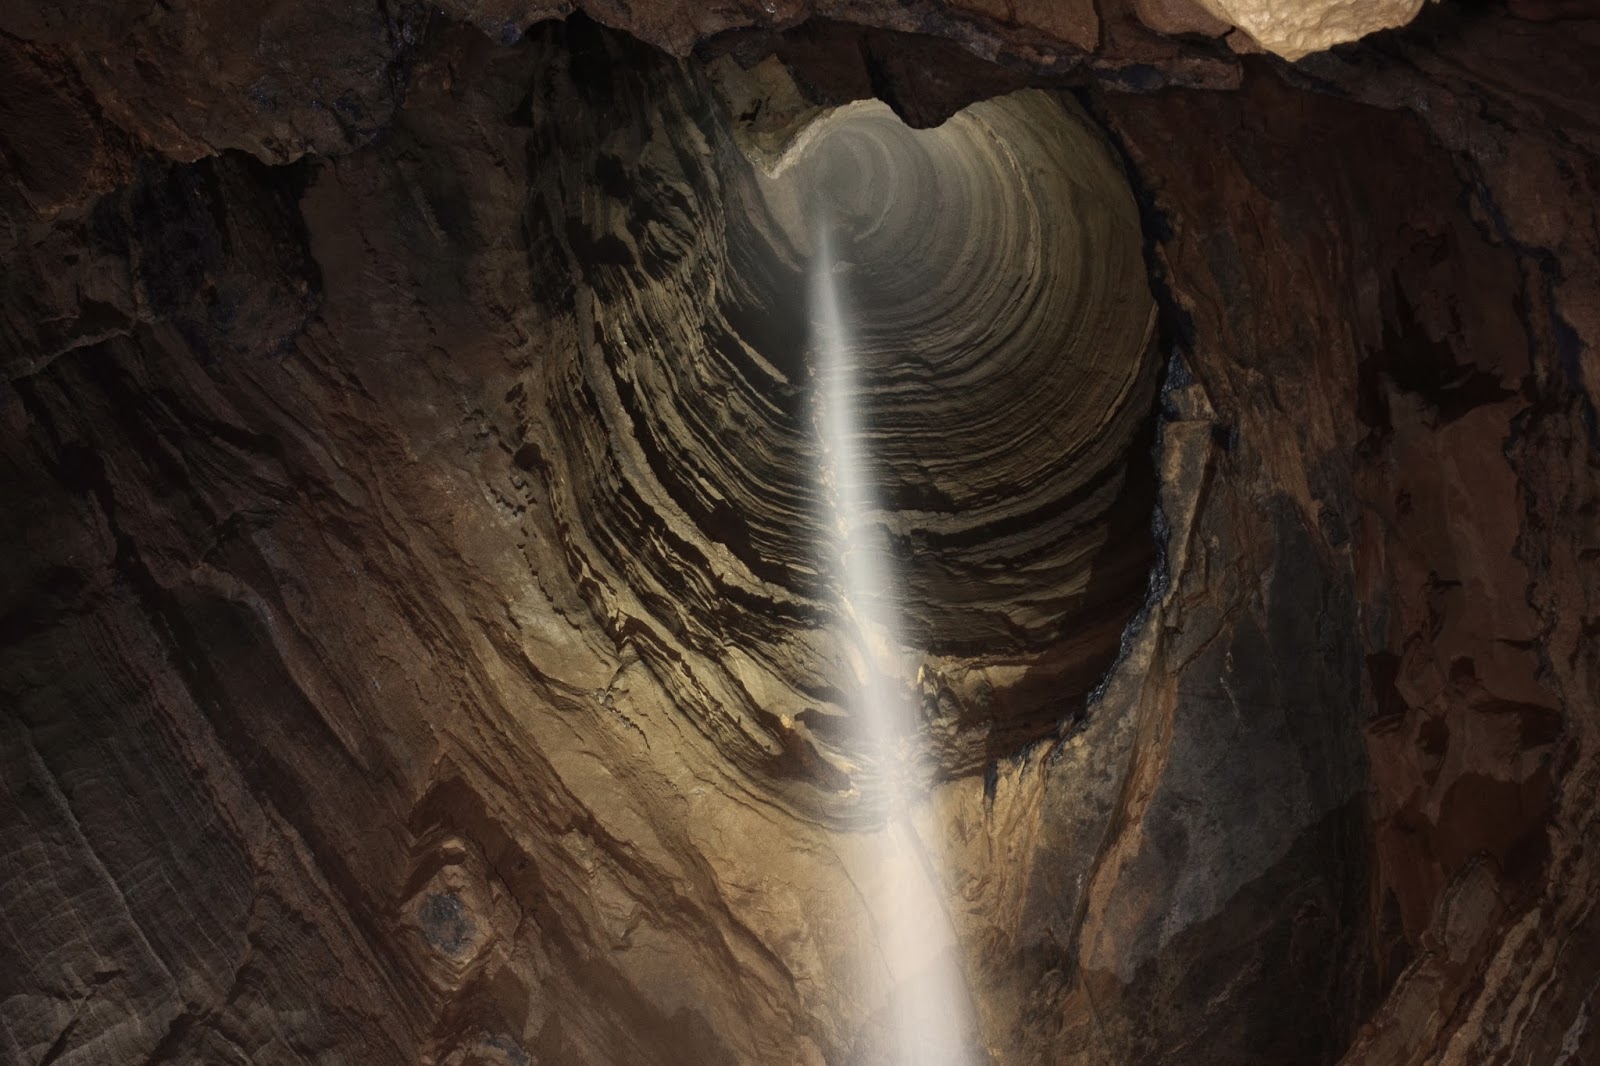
x,y
1298,29
334,731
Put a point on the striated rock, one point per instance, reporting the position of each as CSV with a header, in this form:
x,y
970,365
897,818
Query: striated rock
x,y
416,632
715,536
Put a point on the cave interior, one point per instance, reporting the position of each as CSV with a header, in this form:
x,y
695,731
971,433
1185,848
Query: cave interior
x,y
822,532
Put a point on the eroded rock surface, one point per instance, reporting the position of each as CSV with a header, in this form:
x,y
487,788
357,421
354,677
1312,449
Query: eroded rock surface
x,y
410,650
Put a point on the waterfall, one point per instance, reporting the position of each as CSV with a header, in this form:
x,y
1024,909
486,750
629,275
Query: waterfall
x,y
928,1001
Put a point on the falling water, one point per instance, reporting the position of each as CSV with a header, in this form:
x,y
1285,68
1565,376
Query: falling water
x,y
927,996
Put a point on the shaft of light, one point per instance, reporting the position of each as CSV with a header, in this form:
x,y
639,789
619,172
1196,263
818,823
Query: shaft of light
x,y
927,996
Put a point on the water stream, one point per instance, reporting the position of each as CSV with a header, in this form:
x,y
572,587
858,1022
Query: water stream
x,y
928,1001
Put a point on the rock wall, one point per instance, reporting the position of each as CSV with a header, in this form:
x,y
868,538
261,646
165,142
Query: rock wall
x,y
391,675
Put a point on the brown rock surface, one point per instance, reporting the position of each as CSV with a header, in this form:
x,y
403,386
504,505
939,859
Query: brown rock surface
x,y
410,644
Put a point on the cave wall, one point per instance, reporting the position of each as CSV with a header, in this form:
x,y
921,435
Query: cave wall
x,y
1386,426
316,744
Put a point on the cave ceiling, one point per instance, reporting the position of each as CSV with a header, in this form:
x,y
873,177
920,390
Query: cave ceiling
x,y
441,612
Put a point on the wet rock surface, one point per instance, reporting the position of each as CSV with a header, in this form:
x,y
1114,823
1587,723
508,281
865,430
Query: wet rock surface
x,y
392,673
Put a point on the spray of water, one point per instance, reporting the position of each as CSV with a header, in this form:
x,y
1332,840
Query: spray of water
x,y
928,1001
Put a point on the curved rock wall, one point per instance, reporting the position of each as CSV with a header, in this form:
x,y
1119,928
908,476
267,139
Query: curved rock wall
x,y
360,702
1007,386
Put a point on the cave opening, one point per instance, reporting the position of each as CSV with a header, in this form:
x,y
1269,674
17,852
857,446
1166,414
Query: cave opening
x,y
917,411
421,629
1008,370
1011,205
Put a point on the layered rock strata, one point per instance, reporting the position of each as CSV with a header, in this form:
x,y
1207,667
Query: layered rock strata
x,y
1007,385
374,693
585,372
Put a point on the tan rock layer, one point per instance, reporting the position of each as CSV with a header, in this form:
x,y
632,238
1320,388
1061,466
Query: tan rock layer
x,y
682,455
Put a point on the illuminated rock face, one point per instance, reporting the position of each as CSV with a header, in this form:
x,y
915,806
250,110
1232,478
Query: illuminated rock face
x,y
1008,390
412,640
1293,30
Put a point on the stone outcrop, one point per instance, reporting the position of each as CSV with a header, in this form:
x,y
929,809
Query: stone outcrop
x,y
413,639
1297,30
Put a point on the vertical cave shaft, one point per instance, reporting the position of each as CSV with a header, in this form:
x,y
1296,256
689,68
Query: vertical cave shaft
x,y
426,636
